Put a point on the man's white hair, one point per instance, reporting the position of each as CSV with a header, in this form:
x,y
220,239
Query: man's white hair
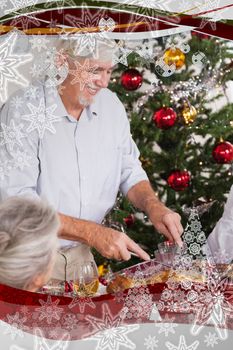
x,y
98,48
28,240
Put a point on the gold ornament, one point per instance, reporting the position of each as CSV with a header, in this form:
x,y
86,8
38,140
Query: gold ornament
x,y
175,56
103,269
188,113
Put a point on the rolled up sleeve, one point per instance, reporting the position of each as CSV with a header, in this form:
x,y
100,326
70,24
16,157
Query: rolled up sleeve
x,y
19,161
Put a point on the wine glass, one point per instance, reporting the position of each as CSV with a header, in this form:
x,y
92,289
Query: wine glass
x,y
86,279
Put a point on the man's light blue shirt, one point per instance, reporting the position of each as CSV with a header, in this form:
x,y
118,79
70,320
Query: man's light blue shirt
x,y
77,166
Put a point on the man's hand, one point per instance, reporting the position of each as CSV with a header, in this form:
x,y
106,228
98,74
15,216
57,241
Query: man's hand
x,y
110,243
167,222
164,220
117,245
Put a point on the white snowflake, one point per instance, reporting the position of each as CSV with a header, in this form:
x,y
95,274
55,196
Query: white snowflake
x,y
40,342
21,159
206,7
121,53
5,168
144,6
211,339
3,4
9,62
82,303
111,334
151,342
32,92
41,118
15,325
107,24
146,50
182,345
22,3
69,321
194,248
11,135
36,70
138,302
25,22
195,226
188,236
51,68
167,326
16,102
59,4
84,74
49,310
39,42
87,41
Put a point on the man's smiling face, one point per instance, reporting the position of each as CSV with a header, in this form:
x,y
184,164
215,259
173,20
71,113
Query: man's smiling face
x,y
89,76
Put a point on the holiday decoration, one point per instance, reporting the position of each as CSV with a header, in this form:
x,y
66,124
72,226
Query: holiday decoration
x,y
131,79
188,114
175,56
179,180
165,118
103,269
223,152
129,220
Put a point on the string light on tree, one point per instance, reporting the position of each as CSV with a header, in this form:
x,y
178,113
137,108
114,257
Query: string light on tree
x,y
174,55
179,180
131,79
165,118
223,152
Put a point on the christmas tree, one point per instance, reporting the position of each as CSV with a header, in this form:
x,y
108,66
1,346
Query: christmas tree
x,y
181,120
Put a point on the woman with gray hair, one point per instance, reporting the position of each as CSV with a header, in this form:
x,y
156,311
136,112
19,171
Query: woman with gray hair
x,y
28,242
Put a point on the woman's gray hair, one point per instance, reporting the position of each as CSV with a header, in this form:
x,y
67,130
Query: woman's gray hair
x,y
28,240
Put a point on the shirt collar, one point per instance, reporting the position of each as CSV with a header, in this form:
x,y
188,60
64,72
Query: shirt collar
x,y
52,94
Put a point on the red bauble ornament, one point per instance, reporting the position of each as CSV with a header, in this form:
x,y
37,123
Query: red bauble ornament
x,y
164,118
179,180
129,220
223,152
131,79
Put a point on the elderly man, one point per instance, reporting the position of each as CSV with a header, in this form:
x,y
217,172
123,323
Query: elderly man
x,y
78,154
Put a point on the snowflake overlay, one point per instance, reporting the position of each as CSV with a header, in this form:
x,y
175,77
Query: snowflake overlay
x,y
82,302
9,62
49,310
182,345
87,40
211,339
151,342
41,118
14,325
51,67
207,6
40,342
39,42
84,74
11,135
138,302
111,333
167,326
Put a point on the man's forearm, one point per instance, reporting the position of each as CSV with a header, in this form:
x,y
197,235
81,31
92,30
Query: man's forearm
x,y
108,242
164,220
144,198
77,229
